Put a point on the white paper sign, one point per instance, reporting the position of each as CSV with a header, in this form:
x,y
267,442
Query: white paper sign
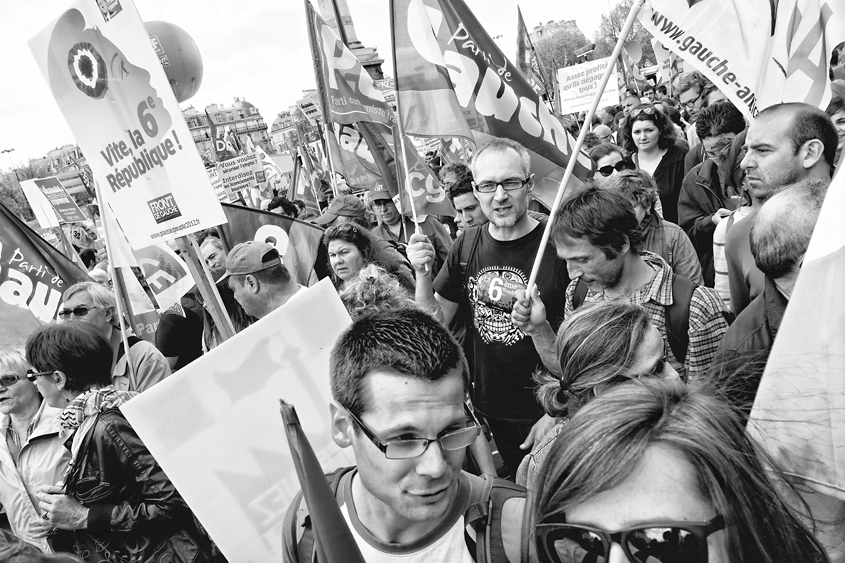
x,y
215,428
578,85
41,207
109,85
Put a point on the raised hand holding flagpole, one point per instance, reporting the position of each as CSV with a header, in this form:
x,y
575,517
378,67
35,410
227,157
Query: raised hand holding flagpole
x,y
570,167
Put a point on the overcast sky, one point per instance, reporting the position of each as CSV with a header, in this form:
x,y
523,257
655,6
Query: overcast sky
x,y
257,50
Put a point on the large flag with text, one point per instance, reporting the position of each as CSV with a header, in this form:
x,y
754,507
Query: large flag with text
x,y
443,38
758,52
428,103
33,274
221,146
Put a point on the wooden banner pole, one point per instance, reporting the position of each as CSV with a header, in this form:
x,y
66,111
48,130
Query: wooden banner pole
x,y
570,167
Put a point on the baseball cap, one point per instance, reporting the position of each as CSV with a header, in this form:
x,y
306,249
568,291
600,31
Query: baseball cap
x,y
379,192
250,257
343,206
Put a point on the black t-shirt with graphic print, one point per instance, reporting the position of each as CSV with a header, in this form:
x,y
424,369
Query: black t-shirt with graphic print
x,y
502,358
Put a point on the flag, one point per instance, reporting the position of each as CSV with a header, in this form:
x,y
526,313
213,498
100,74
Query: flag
x,y
333,542
758,52
428,102
33,274
527,59
86,176
440,42
349,91
298,242
221,148
630,66
797,413
357,163
429,197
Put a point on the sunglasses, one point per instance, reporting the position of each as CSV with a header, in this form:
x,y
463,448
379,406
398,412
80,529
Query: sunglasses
x,y
662,542
619,167
342,228
9,379
648,110
80,311
32,375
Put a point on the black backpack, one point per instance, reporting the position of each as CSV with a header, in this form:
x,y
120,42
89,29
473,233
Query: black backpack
x,y
484,514
677,314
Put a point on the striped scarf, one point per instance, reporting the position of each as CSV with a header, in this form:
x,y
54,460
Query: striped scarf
x,y
91,403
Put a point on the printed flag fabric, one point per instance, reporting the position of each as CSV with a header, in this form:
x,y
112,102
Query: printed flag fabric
x,y
429,197
350,91
297,242
758,52
356,161
333,541
442,38
526,57
428,103
33,274
631,67
220,145
798,414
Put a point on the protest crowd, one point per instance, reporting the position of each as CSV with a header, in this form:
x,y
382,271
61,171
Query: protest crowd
x,y
602,411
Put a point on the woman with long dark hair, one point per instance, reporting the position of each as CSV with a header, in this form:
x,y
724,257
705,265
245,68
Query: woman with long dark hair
x,y
351,247
654,147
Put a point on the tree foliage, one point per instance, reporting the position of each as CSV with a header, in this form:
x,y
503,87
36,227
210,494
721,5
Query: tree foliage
x,y
11,194
610,28
558,50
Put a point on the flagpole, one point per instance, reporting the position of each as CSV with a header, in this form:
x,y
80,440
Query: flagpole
x,y
329,157
114,273
401,130
570,166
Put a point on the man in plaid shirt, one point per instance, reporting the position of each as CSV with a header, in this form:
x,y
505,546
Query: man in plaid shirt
x,y
596,232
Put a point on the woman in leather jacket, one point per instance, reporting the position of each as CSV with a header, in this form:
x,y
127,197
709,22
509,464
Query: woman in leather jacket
x,y
115,504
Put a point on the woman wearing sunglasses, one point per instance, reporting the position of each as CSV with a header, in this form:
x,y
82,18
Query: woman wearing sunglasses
x,y
32,451
351,247
114,503
659,472
609,162
654,147
599,347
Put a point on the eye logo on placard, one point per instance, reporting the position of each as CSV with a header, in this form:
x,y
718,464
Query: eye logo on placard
x,y
88,70
164,208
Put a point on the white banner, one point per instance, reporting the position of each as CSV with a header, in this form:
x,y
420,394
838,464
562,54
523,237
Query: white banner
x,y
758,52
41,206
110,86
664,61
215,425
579,83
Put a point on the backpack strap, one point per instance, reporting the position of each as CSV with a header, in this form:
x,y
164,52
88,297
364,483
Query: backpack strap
x,y
677,317
487,515
297,532
580,294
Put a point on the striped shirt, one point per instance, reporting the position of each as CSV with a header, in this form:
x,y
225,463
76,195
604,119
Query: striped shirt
x,y
707,323
720,262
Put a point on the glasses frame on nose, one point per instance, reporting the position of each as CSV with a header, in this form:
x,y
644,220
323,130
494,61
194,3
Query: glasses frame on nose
x,y
550,530
32,375
65,314
424,442
691,104
509,185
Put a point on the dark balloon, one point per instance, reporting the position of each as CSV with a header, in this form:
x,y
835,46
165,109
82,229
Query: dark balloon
x,y
179,55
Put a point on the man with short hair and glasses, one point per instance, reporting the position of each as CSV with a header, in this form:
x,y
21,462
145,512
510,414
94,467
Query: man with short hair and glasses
x,y
93,303
484,280
400,388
